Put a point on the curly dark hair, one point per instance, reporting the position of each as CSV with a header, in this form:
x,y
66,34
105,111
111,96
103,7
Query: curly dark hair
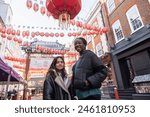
x,y
53,67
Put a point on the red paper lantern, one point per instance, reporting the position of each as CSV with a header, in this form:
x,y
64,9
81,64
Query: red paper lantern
x,y
46,34
3,35
18,33
56,34
42,10
15,39
62,34
64,10
105,30
8,31
29,4
42,34
51,34
74,34
69,34
9,37
3,30
48,13
19,41
35,7
33,34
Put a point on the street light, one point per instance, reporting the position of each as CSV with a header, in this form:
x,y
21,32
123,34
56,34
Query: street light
x,y
28,52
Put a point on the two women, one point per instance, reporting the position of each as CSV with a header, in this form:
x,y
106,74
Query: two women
x,y
88,74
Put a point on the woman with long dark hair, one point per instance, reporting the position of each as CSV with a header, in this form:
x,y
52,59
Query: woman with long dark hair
x,y
56,83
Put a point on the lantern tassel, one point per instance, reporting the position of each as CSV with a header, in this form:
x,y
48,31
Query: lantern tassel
x,y
64,20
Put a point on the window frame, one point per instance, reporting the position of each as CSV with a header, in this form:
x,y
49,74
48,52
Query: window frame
x,y
134,7
89,39
114,25
110,5
99,49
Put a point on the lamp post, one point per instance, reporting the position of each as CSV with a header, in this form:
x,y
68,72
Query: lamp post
x,y
28,51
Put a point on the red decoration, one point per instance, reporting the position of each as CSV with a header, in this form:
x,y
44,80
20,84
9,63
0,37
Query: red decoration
x,y
29,4
3,30
56,34
33,34
47,34
62,34
18,33
42,34
15,39
19,41
64,10
8,31
48,13
13,32
72,22
69,34
3,35
42,10
35,7
105,30
9,37
51,34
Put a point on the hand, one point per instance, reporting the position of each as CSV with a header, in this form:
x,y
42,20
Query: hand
x,y
86,83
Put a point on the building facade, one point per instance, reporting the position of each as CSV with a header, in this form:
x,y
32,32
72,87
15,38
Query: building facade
x,y
129,39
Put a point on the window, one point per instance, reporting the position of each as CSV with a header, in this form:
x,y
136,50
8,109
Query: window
x,y
99,50
134,18
110,5
100,20
117,31
89,39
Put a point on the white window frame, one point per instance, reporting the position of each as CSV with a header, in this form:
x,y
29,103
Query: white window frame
x,y
99,50
110,5
89,39
117,25
129,13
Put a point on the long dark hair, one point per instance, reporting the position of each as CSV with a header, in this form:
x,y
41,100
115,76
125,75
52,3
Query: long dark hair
x,y
53,67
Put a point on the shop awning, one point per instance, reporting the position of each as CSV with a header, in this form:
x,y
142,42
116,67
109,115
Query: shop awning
x,y
5,70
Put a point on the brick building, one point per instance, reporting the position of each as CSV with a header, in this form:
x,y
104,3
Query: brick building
x,y
129,39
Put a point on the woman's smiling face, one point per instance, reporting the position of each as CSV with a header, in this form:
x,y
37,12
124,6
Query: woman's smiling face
x,y
60,64
79,45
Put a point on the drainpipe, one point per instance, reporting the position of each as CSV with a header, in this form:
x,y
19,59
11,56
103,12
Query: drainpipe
x,y
110,48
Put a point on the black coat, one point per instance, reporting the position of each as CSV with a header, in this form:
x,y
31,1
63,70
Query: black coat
x,y
54,89
90,68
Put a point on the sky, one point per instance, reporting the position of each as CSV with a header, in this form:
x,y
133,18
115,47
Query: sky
x,y
27,17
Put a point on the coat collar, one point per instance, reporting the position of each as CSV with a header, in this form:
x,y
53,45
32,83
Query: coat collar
x,y
63,84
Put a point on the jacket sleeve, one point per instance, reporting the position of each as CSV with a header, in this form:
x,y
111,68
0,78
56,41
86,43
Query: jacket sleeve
x,y
47,90
99,70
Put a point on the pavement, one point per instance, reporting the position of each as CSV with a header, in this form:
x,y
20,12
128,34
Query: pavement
x,y
40,96
37,97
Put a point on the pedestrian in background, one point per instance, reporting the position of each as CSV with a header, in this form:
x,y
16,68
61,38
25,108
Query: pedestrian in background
x,y
88,73
57,83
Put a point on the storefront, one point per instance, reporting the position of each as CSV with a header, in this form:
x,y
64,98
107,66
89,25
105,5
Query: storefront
x,y
131,57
